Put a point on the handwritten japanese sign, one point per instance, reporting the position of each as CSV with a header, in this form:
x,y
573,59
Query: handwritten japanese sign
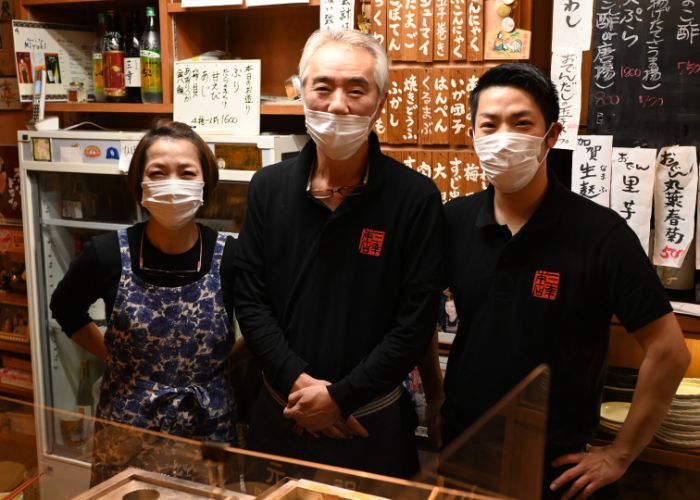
x,y
590,168
458,31
675,195
566,75
441,36
475,30
632,188
572,24
378,17
337,14
218,96
425,30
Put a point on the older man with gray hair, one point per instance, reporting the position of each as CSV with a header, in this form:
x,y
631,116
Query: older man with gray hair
x,y
340,267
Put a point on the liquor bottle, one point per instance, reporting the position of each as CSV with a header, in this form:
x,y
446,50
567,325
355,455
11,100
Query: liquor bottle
x,y
151,82
97,66
132,59
113,60
84,399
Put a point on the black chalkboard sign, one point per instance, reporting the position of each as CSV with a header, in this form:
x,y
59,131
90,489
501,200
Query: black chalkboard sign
x,y
645,72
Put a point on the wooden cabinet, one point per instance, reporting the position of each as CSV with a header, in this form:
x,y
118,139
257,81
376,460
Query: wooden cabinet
x,y
274,34
15,362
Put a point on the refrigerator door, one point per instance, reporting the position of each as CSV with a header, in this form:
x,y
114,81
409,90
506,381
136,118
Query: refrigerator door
x,y
74,186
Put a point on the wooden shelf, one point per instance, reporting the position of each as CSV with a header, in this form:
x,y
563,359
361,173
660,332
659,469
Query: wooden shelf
x,y
293,108
16,391
18,347
108,107
13,299
177,8
29,3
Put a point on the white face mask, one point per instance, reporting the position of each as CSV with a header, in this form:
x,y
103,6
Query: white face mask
x,y
510,160
172,202
339,136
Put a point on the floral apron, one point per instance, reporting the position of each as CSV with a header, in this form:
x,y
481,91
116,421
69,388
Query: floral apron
x,y
166,371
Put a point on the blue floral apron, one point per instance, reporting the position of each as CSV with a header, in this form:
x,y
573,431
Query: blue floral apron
x,y
166,370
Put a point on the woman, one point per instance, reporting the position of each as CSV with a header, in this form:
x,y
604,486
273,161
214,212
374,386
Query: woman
x,y
167,284
450,320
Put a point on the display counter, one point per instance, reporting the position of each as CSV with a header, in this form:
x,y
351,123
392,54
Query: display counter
x,y
499,457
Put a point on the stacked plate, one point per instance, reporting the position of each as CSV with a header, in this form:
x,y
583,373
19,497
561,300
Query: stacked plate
x,y
613,415
681,427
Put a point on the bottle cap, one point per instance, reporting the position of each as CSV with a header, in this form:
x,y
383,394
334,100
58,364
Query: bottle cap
x,y
150,11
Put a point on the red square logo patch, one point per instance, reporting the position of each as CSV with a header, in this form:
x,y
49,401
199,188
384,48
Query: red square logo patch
x,y
545,285
371,242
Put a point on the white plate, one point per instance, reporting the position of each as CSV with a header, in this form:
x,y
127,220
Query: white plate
x,y
689,388
614,411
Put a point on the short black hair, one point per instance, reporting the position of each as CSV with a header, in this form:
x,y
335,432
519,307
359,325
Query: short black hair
x,y
523,76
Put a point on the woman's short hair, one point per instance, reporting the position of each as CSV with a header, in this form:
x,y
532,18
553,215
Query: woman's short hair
x,y
173,131
352,38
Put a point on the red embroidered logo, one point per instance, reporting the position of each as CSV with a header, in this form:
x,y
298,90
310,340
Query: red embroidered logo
x,y
371,242
545,285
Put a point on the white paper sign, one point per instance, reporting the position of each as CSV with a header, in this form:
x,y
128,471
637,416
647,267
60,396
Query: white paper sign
x,y
337,14
218,96
632,188
675,194
566,75
257,3
590,168
126,153
572,24
64,51
210,3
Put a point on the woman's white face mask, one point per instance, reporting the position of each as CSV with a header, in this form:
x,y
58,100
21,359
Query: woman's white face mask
x,y
172,202
338,136
510,160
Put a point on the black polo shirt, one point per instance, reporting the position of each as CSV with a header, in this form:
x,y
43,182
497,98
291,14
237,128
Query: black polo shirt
x,y
350,296
545,295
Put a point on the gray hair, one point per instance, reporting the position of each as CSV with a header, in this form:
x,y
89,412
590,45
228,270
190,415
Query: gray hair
x,y
352,38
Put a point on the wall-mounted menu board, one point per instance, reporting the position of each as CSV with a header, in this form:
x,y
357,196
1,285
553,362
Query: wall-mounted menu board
x,y
645,73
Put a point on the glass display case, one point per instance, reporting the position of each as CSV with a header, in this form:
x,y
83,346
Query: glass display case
x,y
74,186
499,457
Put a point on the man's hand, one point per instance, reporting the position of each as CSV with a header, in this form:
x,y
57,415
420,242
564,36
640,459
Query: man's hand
x,y
593,469
345,429
312,407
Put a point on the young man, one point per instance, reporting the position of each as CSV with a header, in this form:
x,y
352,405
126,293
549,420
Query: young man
x,y
537,272
340,268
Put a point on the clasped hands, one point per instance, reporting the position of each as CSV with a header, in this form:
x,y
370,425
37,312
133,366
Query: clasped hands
x,y
314,411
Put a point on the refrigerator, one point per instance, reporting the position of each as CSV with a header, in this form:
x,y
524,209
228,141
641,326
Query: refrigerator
x,y
74,186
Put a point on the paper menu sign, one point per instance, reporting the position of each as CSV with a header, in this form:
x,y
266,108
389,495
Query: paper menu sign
x,y
675,195
566,75
218,96
572,25
590,168
65,52
632,188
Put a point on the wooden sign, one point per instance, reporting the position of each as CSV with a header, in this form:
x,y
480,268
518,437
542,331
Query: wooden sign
x,y
394,15
378,17
458,31
441,174
440,82
409,31
395,107
441,37
458,107
425,134
411,112
475,30
474,176
425,30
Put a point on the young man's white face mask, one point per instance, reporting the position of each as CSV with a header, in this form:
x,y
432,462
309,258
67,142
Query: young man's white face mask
x,y
510,160
172,202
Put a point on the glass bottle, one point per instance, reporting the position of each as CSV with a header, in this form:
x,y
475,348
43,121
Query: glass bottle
x,y
113,60
151,81
132,59
98,80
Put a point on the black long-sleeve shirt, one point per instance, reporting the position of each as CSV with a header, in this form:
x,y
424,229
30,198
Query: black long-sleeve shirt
x,y
350,296
95,273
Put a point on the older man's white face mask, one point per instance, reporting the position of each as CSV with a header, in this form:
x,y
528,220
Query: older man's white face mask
x,y
338,136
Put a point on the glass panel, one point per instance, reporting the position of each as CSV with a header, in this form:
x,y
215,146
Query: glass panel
x,y
502,453
86,197
500,456
228,208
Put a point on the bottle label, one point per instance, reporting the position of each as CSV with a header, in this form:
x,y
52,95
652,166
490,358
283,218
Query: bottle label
x,y
132,71
151,73
114,73
97,71
150,54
